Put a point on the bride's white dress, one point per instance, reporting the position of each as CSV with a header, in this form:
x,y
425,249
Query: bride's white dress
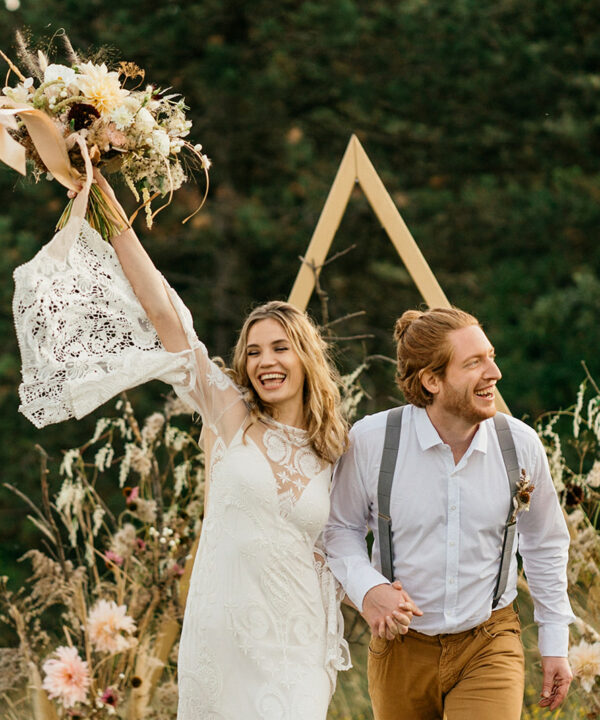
x,y
262,633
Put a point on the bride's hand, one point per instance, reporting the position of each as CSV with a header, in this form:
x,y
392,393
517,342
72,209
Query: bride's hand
x,y
100,180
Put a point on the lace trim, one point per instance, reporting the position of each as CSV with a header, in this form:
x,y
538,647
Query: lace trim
x,y
82,333
337,656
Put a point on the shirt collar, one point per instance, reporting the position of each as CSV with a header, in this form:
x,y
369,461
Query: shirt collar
x,y
428,436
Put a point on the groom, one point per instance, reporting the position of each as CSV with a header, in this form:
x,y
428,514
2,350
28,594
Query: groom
x,y
449,501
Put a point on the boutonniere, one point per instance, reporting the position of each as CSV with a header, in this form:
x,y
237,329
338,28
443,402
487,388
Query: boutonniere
x,y
522,497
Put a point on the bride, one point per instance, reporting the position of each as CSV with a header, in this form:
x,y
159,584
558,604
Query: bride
x,y
262,633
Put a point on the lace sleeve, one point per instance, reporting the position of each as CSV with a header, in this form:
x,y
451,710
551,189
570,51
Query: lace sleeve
x,y
84,337
337,649
203,384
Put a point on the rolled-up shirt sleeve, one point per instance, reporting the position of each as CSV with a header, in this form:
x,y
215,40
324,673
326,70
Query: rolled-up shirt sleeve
x,y
345,533
544,547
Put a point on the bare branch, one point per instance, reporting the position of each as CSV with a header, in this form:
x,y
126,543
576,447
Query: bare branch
x,y
349,316
338,255
385,358
366,336
590,378
24,497
14,68
48,511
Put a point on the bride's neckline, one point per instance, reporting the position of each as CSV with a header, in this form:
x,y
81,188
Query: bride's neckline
x,y
292,429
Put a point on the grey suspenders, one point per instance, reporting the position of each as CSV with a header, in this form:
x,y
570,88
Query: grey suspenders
x,y
384,491
509,455
389,455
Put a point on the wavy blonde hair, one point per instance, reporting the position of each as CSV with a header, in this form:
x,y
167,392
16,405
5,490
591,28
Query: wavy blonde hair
x,y
327,428
422,344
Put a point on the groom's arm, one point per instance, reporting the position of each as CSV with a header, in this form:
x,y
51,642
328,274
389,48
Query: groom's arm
x,y
544,547
384,606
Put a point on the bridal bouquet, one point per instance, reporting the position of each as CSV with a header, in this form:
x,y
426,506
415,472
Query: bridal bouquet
x,y
67,119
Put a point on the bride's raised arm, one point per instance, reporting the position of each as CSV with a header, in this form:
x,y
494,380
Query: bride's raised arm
x,y
94,320
147,282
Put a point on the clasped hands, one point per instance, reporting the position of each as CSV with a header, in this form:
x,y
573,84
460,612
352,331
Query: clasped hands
x,y
389,610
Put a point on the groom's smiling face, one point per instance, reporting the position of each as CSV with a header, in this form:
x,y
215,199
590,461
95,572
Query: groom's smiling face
x,y
468,388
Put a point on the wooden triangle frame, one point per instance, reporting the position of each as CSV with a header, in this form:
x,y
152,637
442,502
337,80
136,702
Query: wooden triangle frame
x,y
357,168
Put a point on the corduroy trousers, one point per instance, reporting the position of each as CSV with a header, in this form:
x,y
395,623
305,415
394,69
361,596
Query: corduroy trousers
x,y
473,675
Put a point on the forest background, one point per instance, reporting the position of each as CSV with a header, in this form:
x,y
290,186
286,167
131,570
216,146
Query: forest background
x,y
481,117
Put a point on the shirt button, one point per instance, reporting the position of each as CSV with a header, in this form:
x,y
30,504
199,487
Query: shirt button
x,y
452,507
452,543
451,581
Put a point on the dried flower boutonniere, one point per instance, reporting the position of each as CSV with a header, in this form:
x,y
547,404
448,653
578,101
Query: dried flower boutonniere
x,y
522,497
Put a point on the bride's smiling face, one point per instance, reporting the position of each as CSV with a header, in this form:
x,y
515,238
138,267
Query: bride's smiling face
x,y
274,368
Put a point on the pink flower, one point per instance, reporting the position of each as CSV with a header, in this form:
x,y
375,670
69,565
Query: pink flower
x,y
106,623
67,676
113,557
141,544
132,495
110,697
176,569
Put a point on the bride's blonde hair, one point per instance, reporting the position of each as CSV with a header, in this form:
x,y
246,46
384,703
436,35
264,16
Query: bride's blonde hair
x,y
327,429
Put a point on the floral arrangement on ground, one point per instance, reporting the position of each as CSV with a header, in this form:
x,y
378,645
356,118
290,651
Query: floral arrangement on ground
x,y
97,624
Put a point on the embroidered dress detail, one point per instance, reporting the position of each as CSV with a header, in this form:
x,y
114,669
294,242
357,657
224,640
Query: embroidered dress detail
x,y
293,462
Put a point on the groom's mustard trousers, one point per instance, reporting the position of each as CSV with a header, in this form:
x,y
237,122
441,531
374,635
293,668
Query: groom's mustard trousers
x,y
473,675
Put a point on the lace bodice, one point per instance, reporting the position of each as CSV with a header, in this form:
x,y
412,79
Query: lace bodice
x,y
262,628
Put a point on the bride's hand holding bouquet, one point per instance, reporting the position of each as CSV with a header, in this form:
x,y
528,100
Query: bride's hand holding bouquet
x,y
65,119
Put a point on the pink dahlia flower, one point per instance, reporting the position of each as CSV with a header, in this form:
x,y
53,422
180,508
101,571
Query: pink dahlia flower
x,y
107,622
67,676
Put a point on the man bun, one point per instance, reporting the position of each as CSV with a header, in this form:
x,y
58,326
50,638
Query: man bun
x,y
422,344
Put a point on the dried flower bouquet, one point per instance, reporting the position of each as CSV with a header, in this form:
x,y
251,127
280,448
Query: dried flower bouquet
x,y
62,118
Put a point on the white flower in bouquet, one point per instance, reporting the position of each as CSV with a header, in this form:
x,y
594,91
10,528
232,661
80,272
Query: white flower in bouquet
x,y
70,497
122,117
133,102
100,86
67,677
585,663
593,477
177,176
161,142
110,628
22,92
62,73
144,121
139,460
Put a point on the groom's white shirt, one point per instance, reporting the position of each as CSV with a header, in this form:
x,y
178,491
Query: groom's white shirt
x,y
448,523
